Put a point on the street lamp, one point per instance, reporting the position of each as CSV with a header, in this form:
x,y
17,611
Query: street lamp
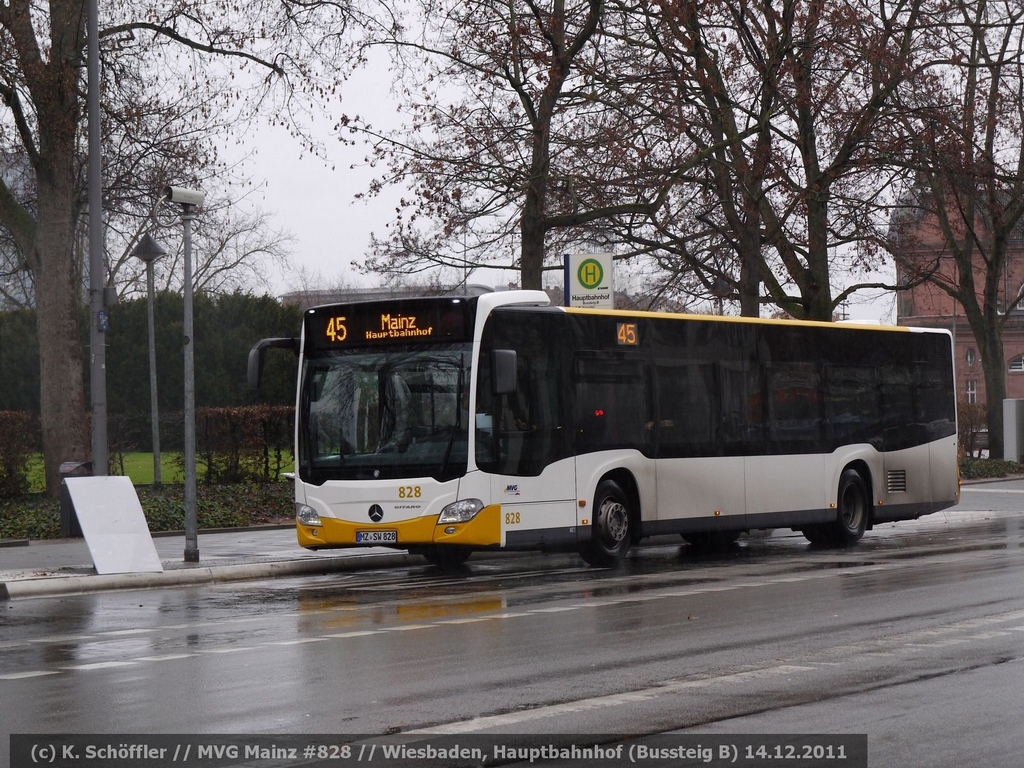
x,y
189,199
721,289
149,250
98,320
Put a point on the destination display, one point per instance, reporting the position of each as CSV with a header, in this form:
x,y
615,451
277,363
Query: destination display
x,y
394,322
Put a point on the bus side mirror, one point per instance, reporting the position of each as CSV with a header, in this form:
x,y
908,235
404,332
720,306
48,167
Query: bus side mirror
x,y
254,368
504,371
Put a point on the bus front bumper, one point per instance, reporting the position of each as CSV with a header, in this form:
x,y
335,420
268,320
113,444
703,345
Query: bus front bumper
x,y
483,530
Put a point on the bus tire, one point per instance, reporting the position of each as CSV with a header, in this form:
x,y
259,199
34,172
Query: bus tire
x,y
611,530
818,535
853,508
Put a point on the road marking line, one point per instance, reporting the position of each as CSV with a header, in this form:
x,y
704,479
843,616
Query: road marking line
x,y
61,639
555,610
167,657
101,665
603,702
21,675
473,620
119,632
300,641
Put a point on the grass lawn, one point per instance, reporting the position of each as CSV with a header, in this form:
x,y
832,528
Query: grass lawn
x,y
137,466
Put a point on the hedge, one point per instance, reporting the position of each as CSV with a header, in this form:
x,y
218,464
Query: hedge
x,y
36,516
16,447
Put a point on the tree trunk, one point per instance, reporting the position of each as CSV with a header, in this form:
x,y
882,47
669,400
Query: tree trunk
x,y
750,270
63,418
532,224
994,364
531,228
46,239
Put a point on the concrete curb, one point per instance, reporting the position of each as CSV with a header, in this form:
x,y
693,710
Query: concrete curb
x,y
983,480
70,585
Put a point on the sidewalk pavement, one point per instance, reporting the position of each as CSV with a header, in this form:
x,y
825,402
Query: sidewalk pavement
x,y
64,566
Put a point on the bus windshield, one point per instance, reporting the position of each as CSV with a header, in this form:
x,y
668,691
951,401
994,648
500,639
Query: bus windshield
x,y
393,413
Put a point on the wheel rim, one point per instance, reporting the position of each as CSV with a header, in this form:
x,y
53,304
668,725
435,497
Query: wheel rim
x,y
614,521
853,507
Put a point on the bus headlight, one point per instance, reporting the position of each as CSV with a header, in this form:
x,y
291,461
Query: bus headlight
x,y
307,515
460,511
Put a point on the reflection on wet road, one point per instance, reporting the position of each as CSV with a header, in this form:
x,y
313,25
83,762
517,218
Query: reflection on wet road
x,y
534,643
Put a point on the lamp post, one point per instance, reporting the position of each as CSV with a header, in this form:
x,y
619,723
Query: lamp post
x,y
149,250
721,289
189,199
99,318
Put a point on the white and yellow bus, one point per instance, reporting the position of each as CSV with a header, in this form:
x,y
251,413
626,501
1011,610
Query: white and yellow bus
x,y
447,425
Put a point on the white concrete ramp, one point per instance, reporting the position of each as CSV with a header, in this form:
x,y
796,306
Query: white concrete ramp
x,y
113,524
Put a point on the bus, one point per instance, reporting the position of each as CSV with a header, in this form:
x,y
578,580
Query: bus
x,y
448,425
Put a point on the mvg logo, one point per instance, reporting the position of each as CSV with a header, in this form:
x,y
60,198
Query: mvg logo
x,y
511,490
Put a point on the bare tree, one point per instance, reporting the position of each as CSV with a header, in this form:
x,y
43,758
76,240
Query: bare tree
x,y
233,249
677,132
965,117
172,74
514,148
793,105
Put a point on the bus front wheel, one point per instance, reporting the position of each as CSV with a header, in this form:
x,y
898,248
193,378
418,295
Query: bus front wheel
x,y
610,535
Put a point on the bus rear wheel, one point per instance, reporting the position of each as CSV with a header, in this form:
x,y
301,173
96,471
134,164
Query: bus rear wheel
x,y
854,507
611,531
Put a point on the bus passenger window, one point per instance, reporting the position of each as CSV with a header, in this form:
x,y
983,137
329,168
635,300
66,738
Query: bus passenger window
x,y
852,411
613,408
794,407
688,411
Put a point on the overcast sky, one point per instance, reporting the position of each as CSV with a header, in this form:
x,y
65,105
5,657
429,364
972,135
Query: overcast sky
x,y
313,199
315,203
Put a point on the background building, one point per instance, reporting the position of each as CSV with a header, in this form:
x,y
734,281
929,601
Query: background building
x,y
922,250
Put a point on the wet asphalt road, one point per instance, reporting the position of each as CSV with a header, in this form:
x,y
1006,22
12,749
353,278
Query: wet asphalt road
x,y
915,637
